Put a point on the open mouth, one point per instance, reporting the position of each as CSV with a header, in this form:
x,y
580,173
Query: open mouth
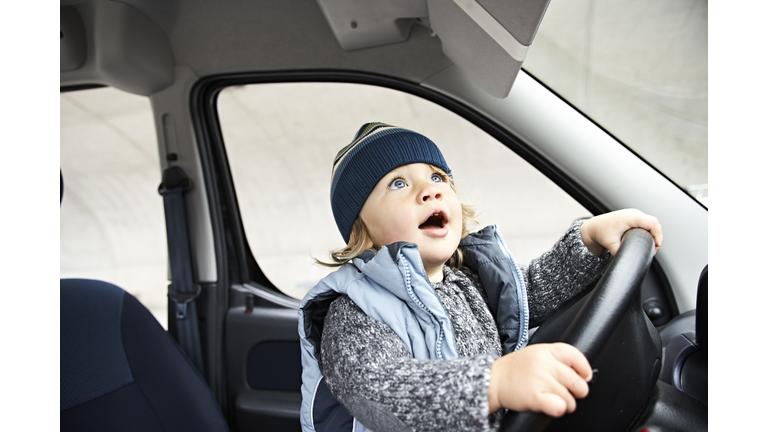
x,y
435,220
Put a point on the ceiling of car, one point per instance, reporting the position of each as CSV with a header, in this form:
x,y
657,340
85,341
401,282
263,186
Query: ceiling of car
x,y
100,43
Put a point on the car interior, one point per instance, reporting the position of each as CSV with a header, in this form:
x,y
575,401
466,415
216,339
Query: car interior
x,y
222,83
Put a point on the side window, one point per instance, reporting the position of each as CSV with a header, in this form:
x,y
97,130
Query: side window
x,y
112,219
281,140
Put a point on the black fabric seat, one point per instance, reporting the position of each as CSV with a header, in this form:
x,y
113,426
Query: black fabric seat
x,y
121,371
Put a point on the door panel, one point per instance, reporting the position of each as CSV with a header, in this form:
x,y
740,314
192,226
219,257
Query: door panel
x,y
263,361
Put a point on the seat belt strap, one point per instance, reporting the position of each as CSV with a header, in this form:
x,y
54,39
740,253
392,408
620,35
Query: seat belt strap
x,y
182,291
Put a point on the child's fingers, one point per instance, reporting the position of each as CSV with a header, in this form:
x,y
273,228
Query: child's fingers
x,y
652,225
553,405
572,357
657,239
572,381
649,223
657,235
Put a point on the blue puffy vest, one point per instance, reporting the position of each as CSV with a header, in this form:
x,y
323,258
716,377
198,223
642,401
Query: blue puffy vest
x,y
392,287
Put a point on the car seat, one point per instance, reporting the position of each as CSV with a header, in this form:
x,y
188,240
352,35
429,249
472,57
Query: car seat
x,y
121,371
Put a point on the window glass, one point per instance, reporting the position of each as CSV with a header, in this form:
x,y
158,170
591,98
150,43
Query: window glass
x,y
639,69
112,219
281,140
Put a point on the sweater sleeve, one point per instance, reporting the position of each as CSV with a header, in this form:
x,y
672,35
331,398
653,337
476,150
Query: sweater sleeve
x,y
372,373
561,273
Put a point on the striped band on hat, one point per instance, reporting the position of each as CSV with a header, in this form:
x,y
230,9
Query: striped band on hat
x,y
366,131
376,149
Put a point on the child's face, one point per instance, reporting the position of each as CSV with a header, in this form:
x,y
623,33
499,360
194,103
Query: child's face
x,y
416,204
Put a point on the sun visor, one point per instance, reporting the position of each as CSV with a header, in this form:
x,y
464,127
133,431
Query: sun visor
x,y
487,39
72,39
114,44
133,52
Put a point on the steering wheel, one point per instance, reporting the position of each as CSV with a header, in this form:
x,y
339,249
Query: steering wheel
x,y
601,314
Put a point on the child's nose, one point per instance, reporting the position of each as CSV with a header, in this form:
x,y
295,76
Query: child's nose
x,y
431,193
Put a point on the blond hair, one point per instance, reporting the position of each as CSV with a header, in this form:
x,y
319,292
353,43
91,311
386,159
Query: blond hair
x,y
360,240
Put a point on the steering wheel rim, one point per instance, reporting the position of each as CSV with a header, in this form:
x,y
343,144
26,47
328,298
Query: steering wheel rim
x,y
600,314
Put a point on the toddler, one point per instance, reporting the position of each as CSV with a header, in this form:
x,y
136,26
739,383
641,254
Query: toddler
x,y
424,325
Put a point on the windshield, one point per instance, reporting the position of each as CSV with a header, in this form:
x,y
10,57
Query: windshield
x,y
639,69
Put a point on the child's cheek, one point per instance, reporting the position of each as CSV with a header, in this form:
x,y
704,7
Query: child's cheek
x,y
400,230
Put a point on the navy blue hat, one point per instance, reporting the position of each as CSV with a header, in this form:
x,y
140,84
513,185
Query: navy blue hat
x,y
377,149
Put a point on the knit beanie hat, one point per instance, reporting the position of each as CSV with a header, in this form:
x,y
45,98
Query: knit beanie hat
x,y
377,149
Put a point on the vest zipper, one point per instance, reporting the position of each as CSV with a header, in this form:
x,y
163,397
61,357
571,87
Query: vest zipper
x,y
522,293
412,295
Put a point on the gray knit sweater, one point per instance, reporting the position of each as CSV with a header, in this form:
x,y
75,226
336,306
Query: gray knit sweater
x,y
364,359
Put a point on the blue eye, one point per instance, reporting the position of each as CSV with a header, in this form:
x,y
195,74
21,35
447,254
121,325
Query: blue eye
x,y
397,184
436,178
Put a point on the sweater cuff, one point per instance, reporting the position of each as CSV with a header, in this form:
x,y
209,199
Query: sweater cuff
x,y
582,259
486,361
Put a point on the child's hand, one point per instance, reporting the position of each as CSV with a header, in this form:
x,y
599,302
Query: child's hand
x,y
542,378
605,231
